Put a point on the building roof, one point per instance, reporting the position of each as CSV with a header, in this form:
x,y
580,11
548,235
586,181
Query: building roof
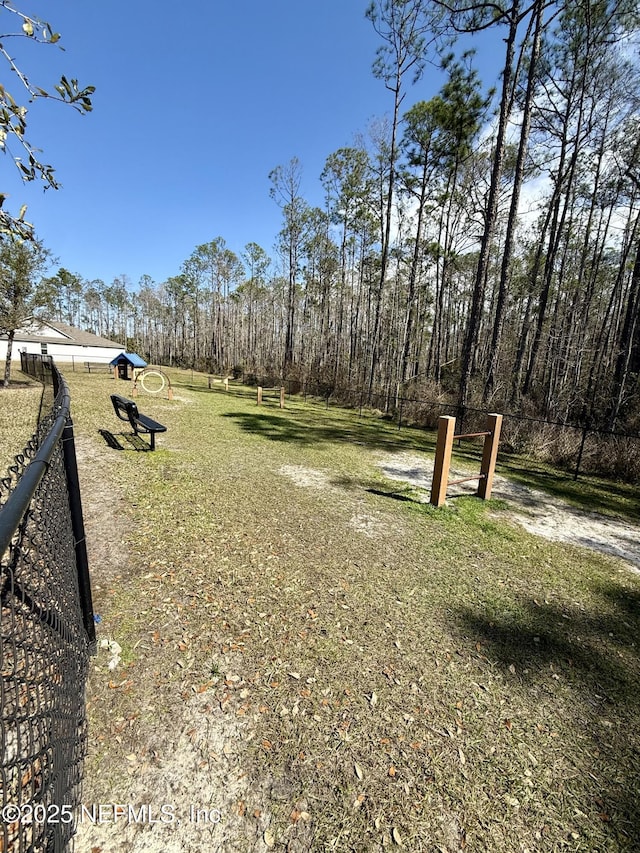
x,y
60,333
131,357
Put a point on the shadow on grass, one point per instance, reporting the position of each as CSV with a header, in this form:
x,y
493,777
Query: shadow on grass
x,y
595,654
314,428
590,493
317,424
393,495
134,441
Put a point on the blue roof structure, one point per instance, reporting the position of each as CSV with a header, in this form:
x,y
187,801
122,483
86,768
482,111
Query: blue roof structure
x,y
131,358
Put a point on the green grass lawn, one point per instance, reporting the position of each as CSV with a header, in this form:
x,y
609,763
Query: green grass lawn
x,y
394,675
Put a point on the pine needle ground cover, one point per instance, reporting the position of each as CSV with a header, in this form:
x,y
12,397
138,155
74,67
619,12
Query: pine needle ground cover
x,y
298,654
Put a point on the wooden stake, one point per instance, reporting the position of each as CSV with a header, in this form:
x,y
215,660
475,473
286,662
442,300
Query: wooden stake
x,y
282,397
444,445
489,456
259,394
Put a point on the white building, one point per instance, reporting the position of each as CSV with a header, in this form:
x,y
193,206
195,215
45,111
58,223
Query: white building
x,y
64,343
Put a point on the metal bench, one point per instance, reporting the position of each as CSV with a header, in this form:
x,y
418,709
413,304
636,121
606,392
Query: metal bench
x,y
127,410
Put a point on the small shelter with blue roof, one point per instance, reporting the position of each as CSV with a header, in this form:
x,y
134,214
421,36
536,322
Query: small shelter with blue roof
x,y
121,364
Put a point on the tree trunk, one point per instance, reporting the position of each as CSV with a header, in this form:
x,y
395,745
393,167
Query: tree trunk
x,y
628,360
7,365
475,314
505,271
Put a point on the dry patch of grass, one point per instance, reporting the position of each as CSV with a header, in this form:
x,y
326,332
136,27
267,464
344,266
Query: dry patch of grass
x,y
426,679
19,405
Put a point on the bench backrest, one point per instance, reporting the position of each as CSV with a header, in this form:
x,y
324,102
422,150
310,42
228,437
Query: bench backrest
x,y
125,409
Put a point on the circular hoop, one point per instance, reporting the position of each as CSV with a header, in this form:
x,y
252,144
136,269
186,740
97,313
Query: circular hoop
x,y
147,373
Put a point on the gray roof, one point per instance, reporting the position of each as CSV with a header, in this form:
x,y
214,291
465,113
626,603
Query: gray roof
x,y
71,333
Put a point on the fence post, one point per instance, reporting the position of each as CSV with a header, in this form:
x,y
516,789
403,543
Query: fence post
x,y
77,526
282,397
444,445
583,441
259,395
489,456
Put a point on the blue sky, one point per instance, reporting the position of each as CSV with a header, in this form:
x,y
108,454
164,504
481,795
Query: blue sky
x,y
195,104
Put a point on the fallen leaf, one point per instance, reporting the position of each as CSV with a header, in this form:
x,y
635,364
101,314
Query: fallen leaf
x,y
463,759
395,834
358,771
508,724
392,771
269,839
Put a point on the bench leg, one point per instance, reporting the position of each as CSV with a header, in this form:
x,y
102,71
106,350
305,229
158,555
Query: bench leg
x,y
152,440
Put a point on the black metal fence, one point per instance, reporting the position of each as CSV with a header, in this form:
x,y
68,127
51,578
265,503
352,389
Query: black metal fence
x,y
47,630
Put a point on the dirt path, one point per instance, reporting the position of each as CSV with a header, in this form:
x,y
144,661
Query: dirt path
x,y
536,511
145,781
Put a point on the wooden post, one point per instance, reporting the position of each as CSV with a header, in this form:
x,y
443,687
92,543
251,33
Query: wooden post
x,y
259,394
444,445
226,383
115,372
134,390
489,456
282,397
209,382
170,393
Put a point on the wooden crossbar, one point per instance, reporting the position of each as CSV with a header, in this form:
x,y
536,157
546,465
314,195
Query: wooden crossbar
x,y
471,434
466,479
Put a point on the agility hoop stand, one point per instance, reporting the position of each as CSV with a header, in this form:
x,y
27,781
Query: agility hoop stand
x,y
444,446
145,374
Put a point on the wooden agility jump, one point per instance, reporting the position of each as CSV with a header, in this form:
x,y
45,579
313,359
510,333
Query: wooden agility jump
x,y
444,446
261,389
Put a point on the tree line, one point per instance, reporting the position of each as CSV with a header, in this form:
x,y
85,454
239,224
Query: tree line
x,y
482,246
